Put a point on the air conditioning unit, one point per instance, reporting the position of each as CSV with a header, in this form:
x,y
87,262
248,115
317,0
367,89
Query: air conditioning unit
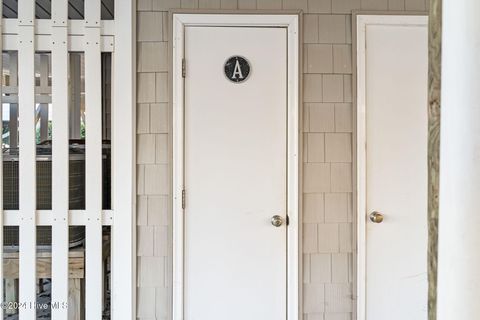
x,y
44,189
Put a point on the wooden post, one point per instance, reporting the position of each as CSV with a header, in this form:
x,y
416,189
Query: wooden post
x,y
434,78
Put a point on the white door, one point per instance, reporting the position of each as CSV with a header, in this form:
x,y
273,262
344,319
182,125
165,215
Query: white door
x,y
396,172
235,174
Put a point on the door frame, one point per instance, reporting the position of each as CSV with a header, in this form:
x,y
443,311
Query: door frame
x,y
291,23
361,21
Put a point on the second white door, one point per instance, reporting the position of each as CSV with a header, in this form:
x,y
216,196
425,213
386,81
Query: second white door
x,y
396,61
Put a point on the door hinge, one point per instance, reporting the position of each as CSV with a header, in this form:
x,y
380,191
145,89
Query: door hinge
x,y
183,199
184,68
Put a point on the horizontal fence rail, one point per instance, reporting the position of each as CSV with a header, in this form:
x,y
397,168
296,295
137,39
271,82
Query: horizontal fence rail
x,y
46,217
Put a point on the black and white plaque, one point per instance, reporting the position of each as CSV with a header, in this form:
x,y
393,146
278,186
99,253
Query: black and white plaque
x,y
237,69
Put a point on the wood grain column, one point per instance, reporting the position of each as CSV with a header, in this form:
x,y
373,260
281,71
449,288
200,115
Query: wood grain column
x,y
434,82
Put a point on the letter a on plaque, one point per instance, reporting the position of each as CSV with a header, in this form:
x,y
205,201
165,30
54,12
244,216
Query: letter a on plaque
x,y
237,69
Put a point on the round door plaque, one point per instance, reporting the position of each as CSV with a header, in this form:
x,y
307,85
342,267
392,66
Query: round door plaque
x,y
237,69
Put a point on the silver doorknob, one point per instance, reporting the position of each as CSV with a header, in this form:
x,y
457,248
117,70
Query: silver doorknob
x,y
277,221
376,217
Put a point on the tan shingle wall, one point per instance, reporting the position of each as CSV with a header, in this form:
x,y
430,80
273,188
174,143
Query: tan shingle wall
x,y
328,229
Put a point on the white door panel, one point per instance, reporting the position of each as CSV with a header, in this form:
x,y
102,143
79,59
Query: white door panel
x,y
396,172
235,175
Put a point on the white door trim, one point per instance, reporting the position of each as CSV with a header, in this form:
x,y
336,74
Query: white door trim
x,y
362,22
291,22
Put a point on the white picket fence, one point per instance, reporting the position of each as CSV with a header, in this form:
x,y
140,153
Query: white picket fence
x,y
59,35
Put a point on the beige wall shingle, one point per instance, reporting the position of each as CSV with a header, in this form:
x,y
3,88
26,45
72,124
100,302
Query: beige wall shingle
x,y
313,208
165,5
145,241
340,267
157,208
229,4
310,28
159,118
151,271
146,87
332,88
338,297
321,117
152,56
336,207
342,58
314,298
319,58
338,316
315,147
209,4
315,316
306,268
316,177
156,179
338,147
144,5
396,5
343,117
161,235
345,233
145,148
374,4
321,263
140,179
347,88
162,303
348,29
415,5
345,6
328,238
310,235
319,6
247,4
143,118
312,90
146,302
161,87
295,5
149,25
341,177
331,29
189,4
142,210
269,4
161,148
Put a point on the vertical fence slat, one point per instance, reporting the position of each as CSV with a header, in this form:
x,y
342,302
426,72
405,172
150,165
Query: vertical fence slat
x,y
27,157
93,135
123,119
60,154
2,300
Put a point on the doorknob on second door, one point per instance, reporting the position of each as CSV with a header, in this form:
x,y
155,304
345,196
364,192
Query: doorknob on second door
x,y
277,221
376,217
